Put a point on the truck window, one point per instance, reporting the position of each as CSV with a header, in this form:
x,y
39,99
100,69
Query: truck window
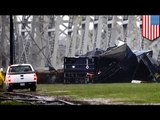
x,y
20,69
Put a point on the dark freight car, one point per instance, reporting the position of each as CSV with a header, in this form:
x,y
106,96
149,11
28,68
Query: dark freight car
x,y
76,69
118,64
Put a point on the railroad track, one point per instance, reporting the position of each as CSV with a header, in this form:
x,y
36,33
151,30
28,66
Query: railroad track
x,y
34,99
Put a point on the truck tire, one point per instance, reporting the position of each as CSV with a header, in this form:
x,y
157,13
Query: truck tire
x,y
33,89
9,89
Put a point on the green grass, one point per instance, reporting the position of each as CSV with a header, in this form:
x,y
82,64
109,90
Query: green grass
x,y
118,92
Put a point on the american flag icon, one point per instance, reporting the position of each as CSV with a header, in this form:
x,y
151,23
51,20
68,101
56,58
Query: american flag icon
x,y
151,26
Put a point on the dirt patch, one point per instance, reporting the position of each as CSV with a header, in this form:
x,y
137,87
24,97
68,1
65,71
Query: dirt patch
x,y
99,101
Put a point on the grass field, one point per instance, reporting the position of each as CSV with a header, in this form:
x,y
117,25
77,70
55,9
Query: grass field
x,y
118,92
125,93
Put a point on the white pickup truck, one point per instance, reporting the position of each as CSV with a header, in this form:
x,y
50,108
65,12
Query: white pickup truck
x,y
20,76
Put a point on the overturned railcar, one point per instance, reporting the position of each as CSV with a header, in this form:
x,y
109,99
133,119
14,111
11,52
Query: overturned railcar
x,y
148,69
116,65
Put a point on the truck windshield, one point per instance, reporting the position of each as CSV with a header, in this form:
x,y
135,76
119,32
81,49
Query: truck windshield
x,y
20,69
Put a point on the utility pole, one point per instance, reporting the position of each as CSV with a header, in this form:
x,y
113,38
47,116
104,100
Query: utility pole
x,y
11,40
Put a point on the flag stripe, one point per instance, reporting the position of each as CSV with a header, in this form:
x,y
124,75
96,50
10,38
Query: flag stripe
x,y
154,31
151,32
143,25
149,27
157,30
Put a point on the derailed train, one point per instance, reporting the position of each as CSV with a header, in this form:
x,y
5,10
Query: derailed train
x,y
116,65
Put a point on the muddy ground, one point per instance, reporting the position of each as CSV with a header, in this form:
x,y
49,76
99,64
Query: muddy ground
x,y
33,98
37,99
